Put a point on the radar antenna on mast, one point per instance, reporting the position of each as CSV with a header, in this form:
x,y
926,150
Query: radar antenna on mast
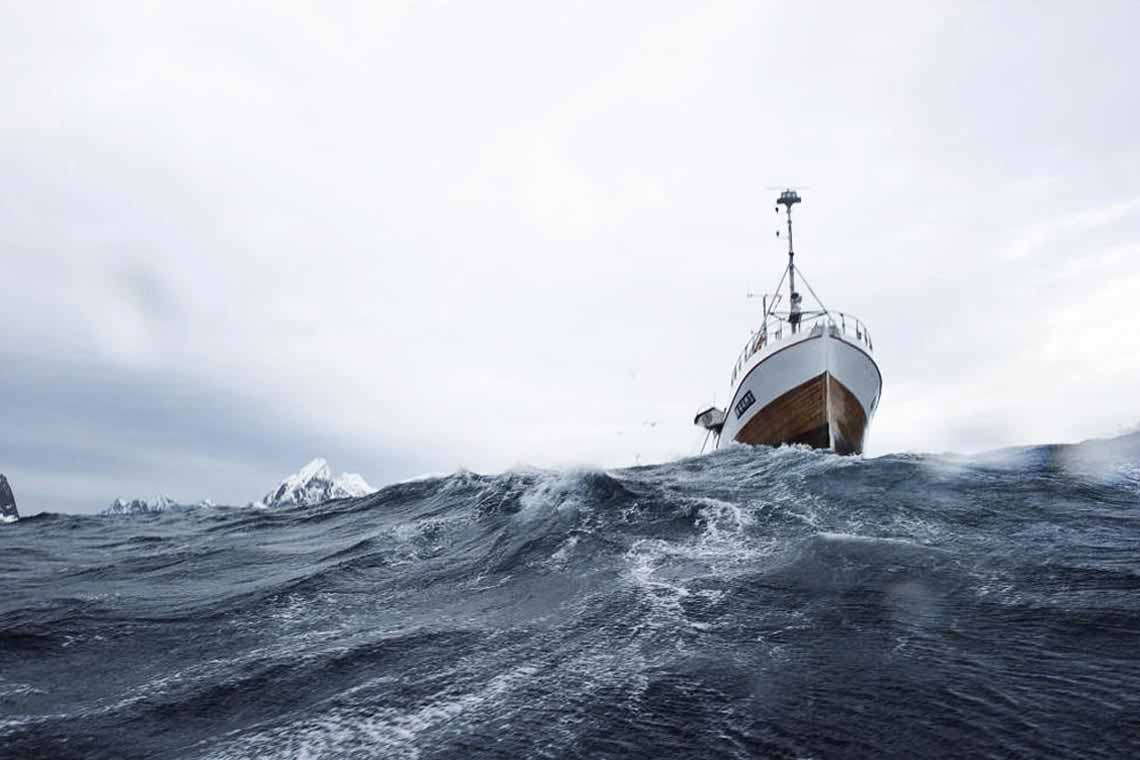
x,y
787,199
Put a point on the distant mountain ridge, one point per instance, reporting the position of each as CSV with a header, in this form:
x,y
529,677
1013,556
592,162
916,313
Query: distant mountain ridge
x,y
150,506
314,484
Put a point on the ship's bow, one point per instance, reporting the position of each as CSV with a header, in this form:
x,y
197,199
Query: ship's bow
x,y
820,389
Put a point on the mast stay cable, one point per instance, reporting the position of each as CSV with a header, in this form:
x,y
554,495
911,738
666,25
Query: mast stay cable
x,y
772,307
813,295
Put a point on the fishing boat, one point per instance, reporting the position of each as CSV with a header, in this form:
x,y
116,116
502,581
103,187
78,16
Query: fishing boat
x,y
806,376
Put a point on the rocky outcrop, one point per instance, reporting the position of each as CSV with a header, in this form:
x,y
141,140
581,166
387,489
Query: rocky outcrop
x,y
8,511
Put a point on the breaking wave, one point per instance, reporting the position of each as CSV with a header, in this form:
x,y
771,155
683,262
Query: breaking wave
x,y
753,602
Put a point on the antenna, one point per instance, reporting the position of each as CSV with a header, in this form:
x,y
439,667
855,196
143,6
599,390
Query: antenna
x,y
787,199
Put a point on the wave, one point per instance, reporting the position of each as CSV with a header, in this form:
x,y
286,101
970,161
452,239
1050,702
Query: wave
x,y
714,605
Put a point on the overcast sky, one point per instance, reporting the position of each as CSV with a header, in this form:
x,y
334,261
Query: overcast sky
x,y
415,237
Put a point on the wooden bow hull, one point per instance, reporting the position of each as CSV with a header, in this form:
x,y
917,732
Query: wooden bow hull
x,y
821,413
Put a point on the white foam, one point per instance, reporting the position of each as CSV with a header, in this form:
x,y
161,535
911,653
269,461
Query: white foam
x,y
561,492
668,570
15,688
561,555
425,476
851,538
379,731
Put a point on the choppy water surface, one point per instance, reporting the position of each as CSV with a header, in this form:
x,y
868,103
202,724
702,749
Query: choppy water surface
x,y
769,603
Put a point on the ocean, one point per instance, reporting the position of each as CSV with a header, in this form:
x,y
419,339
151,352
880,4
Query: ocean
x,y
782,603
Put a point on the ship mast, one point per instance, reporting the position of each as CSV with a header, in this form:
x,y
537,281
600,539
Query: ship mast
x,y
787,199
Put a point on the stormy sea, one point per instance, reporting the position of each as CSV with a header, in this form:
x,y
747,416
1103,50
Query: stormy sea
x,y
748,603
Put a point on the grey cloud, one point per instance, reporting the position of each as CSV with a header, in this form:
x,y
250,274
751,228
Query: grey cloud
x,y
232,241
145,289
114,430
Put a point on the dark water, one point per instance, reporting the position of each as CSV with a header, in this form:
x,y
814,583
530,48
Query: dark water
x,y
752,603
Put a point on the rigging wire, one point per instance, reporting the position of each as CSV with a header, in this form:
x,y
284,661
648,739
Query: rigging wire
x,y
813,295
772,306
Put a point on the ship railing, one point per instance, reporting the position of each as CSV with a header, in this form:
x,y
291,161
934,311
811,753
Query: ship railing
x,y
777,329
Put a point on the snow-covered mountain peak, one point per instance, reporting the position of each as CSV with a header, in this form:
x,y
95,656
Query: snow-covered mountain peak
x,y
314,484
317,468
140,506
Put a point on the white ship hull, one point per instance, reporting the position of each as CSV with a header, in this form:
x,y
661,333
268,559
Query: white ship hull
x,y
819,387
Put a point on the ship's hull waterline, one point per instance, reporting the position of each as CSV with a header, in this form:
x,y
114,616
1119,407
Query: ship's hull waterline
x,y
818,388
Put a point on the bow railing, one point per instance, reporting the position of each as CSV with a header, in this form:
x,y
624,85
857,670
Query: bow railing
x,y
778,329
